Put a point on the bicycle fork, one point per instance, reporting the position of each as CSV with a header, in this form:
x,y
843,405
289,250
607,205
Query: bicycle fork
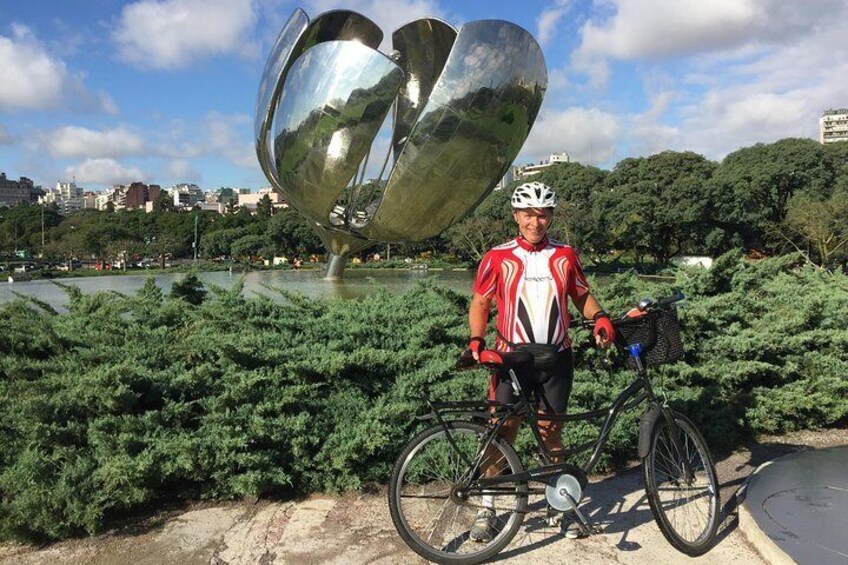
x,y
635,351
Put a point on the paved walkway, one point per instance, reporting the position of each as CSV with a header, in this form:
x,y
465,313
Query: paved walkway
x,y
796,508
352,530
357,529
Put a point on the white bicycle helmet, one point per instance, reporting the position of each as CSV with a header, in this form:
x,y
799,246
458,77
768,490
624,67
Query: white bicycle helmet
x,y
533,195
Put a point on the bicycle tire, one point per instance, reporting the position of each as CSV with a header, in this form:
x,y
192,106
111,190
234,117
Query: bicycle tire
x,y
430,461
663,473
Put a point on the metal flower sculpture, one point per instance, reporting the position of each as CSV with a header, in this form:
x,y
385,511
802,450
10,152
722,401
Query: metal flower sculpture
x,y
463,104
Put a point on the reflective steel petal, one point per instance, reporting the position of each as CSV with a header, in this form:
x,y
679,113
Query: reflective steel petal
x,y
423,46
476,120
325,125
296,37
464,106
271,86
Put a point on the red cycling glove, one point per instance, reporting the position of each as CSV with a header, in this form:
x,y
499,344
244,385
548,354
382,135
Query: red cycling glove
x,y
604,325
477,344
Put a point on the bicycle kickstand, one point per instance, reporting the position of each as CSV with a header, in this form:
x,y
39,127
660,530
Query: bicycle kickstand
x,y
588,527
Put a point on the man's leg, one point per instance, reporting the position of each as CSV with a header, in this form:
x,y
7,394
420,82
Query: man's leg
x,y
551,433
484,525
557,390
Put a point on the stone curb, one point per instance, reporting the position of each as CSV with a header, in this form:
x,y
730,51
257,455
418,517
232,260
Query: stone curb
x,y
766,547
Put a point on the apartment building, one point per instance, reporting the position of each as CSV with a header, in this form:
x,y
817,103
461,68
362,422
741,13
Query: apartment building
x,y
15,191
527,171
833,126
66,196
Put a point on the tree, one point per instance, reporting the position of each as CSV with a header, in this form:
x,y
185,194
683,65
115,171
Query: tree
x,y
819,227
489,225
578,220
264,208
163,202
250,246
656,205
218,243
290,233
752,188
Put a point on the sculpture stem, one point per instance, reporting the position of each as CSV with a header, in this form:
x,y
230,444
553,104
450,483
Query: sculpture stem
x,y
335,266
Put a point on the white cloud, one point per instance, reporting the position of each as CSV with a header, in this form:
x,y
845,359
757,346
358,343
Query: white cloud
x,y
779,93
729,118
720,75
641,30
103,171
32,78
183,170
223,136
549,19
29,76
74,141
659,28
588,135
170,34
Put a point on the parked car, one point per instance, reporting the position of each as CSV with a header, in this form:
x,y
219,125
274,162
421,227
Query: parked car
x,y
25,268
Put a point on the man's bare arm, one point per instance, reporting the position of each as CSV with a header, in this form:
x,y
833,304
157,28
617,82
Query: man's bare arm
x,y
478,316
587,306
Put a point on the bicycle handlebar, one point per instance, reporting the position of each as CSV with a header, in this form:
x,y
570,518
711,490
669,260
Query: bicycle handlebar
x,y
668,300
466,360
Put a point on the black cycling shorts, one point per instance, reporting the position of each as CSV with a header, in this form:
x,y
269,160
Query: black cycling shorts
x,y
550,388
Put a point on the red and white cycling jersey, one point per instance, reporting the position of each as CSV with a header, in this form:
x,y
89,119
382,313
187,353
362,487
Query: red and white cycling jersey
x,y
531,285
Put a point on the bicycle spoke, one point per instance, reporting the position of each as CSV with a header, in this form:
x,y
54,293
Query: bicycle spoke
x,y
440,518
682,484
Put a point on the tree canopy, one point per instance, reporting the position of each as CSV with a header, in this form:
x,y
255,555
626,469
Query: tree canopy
x,y
785,196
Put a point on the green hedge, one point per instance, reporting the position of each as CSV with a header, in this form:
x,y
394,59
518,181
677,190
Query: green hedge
x,y
127,401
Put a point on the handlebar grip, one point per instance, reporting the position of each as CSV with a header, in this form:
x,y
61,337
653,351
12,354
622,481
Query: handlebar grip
x,y
676,297
466,360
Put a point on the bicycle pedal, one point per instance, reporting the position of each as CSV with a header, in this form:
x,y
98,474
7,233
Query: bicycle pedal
x,y
554,521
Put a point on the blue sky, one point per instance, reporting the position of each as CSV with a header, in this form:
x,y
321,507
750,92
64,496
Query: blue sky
x,y
110,91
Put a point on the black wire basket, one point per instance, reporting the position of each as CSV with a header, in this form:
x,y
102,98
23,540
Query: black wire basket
x,y
658,332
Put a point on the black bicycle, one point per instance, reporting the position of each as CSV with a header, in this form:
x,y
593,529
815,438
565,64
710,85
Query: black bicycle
x,y
442,473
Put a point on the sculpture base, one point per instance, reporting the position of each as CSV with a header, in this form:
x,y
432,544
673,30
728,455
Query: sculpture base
x,y
335,267
339,246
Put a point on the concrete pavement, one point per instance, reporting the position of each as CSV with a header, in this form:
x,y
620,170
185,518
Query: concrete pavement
x,y
355,529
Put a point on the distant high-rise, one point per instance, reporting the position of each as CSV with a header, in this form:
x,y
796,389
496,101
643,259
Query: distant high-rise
x,y
138,194
527,171
67,197
186,195
833,126
15,191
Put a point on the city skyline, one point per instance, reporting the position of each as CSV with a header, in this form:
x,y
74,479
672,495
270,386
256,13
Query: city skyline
x,y
162,91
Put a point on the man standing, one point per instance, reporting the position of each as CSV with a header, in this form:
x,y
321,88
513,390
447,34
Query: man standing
x,y
531,279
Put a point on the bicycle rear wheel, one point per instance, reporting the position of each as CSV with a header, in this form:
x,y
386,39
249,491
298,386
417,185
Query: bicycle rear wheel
x,y
429,507
686,508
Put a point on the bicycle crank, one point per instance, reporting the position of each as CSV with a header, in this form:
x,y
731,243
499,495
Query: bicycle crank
x,y
564,492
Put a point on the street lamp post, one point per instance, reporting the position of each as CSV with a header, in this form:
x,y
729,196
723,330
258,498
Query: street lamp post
x,y
194,243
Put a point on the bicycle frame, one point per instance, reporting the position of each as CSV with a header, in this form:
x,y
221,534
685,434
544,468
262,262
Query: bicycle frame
x,y
632,396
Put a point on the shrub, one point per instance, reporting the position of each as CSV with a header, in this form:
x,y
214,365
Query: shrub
x,y
124,401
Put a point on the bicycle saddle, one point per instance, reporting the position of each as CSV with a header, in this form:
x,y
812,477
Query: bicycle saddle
x,y
503,359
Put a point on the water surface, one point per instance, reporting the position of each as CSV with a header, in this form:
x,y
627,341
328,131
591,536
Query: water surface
x,y
355,284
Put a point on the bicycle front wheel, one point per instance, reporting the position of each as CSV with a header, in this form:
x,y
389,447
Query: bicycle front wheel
x,y
433,499
684,497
